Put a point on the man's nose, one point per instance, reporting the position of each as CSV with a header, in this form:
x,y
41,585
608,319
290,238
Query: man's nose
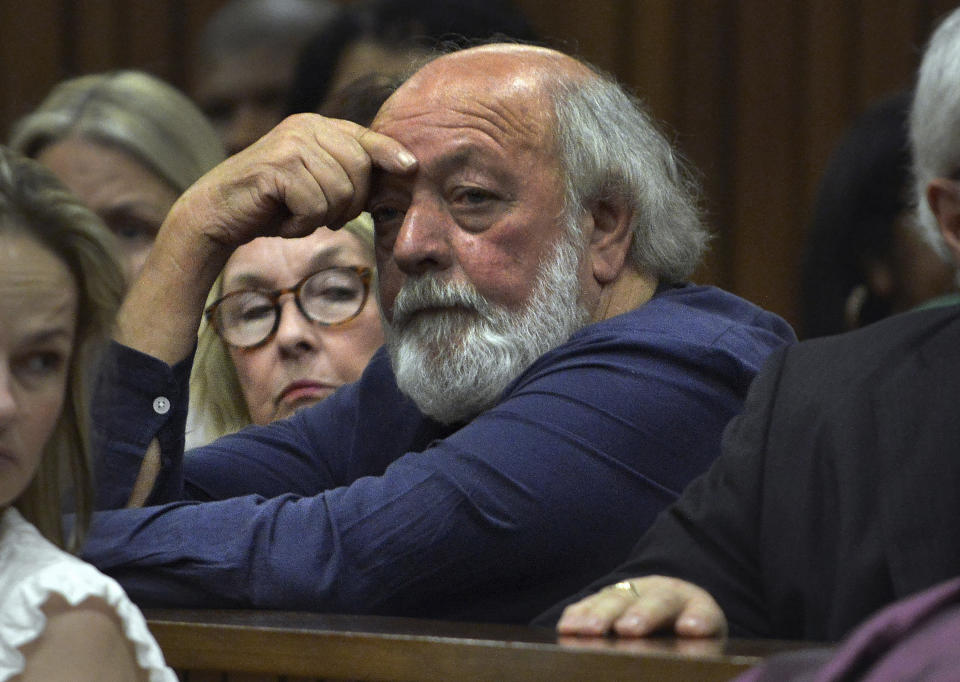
x,y
296,334
422,244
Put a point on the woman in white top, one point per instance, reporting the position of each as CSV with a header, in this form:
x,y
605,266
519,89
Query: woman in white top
x,y
60,285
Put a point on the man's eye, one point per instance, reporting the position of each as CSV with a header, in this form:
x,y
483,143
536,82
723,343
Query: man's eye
x,y
385,214
473,196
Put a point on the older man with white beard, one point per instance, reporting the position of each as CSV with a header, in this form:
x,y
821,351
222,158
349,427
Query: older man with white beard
x,y
454,380
549,384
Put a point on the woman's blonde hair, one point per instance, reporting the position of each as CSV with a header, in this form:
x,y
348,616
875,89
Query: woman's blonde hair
x,y
131,111
216,399
33,202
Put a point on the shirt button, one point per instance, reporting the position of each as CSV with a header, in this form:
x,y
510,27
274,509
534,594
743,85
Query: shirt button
x,y
161,405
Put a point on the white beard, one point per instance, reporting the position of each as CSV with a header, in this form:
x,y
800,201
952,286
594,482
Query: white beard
x,y
456,364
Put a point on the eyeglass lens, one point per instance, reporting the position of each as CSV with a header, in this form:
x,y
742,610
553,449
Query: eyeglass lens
x,y
327,297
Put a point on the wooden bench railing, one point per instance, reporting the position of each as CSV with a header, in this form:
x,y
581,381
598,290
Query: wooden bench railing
x,y
272,646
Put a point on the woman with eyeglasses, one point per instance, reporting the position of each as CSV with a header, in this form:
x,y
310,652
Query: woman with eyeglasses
x,y
287,323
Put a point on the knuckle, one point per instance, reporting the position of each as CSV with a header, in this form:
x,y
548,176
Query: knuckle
x,y
339,190
296,121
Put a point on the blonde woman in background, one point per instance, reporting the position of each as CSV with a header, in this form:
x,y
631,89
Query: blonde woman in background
x,y
261,357
60,286
127,144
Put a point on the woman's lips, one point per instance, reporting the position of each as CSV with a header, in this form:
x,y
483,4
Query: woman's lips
x,y
305,390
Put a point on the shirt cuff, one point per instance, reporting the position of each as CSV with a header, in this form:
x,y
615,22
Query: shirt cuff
x,y
136,398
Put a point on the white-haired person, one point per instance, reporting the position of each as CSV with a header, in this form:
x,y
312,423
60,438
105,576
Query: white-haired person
x,y
534,232
837,489
60,286
125,142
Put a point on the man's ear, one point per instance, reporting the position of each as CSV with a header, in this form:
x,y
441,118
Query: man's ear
x,y
943,197
610,237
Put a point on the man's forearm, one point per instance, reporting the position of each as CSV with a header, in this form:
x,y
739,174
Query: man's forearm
x,y
308,171
161,313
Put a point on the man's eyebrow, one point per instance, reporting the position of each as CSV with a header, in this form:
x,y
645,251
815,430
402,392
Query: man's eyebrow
x,y
449,162
457,158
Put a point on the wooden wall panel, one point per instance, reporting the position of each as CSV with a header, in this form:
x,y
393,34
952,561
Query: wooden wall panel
x,y
830,32
653,54
31,54
96,35
705,110
768,144
153,42
756,93
599,29
892,25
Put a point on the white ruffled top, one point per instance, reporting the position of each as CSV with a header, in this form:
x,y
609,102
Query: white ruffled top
x,y
31,570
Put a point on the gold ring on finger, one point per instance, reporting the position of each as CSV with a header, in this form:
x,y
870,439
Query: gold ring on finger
x,y
626,586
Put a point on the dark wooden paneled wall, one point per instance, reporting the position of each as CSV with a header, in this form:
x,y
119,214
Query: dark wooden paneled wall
x,y
755,92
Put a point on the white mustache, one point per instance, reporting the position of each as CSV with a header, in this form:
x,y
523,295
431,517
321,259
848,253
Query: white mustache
x,y
428,292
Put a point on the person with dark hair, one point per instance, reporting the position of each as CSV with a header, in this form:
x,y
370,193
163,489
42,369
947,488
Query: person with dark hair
x,y
361,99
388,37
865,258
549,381
243,62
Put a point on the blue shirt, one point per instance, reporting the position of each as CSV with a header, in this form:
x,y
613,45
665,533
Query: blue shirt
x,y
360,504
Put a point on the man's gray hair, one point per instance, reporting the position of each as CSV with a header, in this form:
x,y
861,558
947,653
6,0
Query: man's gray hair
x,y
610,148
935,123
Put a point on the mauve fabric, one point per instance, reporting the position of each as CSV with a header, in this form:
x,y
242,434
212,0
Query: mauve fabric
x,y
917,638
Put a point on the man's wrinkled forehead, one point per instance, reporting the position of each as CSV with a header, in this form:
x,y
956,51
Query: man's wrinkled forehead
x,y
510,112
509,82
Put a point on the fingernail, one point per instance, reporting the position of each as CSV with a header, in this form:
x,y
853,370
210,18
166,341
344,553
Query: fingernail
x,y
691,623
632,624
580,624
594,624
406,159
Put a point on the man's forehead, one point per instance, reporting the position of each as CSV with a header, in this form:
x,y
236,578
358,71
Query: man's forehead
x,y
508,107
504,121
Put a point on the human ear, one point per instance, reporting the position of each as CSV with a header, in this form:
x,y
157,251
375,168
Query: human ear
x,y
942,197
610,237
879,277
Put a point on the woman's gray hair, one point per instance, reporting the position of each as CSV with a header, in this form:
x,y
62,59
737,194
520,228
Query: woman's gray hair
x,y
610,148
33,202
131,111
935,124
